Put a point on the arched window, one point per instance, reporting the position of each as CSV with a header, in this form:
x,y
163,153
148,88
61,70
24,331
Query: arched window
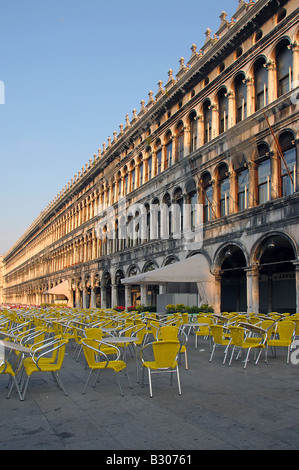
x,y
243,184
193,131
180,141
166,217
149,163
158,157
178,213
223,110
241,98
192,201
168,140
140,170
207,116
284,67
264,174
208,195
288,171
126,181
133,176
260,83
223,180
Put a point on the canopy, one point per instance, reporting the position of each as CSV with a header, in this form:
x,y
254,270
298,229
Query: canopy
x,y
193,269
60,289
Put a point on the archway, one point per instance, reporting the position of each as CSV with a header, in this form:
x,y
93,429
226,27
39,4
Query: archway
x,y
277,280
121,300
233,279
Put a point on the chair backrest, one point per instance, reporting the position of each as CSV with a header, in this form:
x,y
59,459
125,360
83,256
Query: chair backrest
x,y
165,353
91,348
57,349
285,330
217,333
166,333
269,326
94,333
237,335
90,351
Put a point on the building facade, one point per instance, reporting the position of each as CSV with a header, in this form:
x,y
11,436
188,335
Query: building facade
x,y
219,139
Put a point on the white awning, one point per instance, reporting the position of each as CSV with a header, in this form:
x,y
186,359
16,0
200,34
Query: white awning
x,y
60,289
193,269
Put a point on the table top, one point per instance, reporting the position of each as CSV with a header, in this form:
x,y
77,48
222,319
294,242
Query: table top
x,y
16,347
6,334
120,339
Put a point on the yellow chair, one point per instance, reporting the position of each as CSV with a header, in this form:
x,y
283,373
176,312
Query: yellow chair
x,y
6,368
165,361
285,333
241,338
46,358
97,334
93,354
220,338
174,333
204,330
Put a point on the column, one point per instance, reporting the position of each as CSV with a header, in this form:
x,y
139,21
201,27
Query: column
x,y
103,297
231,109
93,297
272,82
275,175
215,121
252,274
250,96
296,263
128,295
217,297
114,299
143,294
84,298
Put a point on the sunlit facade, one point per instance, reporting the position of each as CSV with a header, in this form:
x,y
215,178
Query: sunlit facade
x,y
221,134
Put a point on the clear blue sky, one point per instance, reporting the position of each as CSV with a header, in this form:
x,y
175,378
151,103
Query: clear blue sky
x,y
72,70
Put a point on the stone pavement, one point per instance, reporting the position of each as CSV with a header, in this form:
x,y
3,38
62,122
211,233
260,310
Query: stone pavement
x,y
221,407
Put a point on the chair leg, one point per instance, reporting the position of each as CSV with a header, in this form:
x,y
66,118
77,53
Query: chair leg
x,y
121,391
225,353
213,350
150,382
86,383
231,357
14,382
179,382
186,361
247,356
60,384
25,387
128,377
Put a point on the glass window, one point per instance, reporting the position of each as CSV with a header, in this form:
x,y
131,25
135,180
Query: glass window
x,y
133,179
241,98
287,145
223,190
264,181
223,111
140,174
149,168
169,154
284,68
159,160
261,84
193,133
207,122
180,142
243,183
208,197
